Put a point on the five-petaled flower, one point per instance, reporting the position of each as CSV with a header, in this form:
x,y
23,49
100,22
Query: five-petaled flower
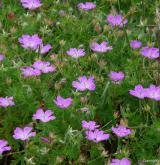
x,y
116,76
23,133
31,4
44,116
30,42
139,92
63,102
29,72
124,161
6,101
91,125
86,6
151,53
117,20
96,135
102,47
4,146
121,131
76,53
84,83
135,44
44,67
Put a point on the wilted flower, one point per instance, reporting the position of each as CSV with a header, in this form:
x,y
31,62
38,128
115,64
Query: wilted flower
x,y
121,131
123,161
117,20
4,147
135,44
6,101
116,76
86,6
29,71
31,4
153,92
84,83
44,116
76,53
97,135
1,57
103,47
139,92
91,125
44,67
23,133
45,49
151,53
33,42
63,102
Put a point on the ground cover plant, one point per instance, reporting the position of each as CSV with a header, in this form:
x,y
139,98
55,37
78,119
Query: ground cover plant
x,y
79,82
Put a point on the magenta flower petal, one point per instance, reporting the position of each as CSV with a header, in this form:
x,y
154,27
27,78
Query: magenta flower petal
x,y
2,57
4,147
84,83
135,44
76,53
116,76
31,4
29,72
86,6
97,135
138,92
151,53
124,161
6,101
103,47
45,49
63,102
30,42
91,125
44,116
23,133
121,131
117,20
44,67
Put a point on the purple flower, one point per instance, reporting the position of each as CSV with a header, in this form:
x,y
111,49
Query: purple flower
x,y
116,76
123,161
139,92
62,102
76,53
1,57
103,47
30,42
23,133
153,92
84,83
4,147
45,49
91,125
44,116
135,44
97,135
121,131
86,6
44,67
29,71
31,4
117,20
151,53
6,101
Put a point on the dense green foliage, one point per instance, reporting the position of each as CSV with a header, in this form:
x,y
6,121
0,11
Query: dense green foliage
x,y
67,142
